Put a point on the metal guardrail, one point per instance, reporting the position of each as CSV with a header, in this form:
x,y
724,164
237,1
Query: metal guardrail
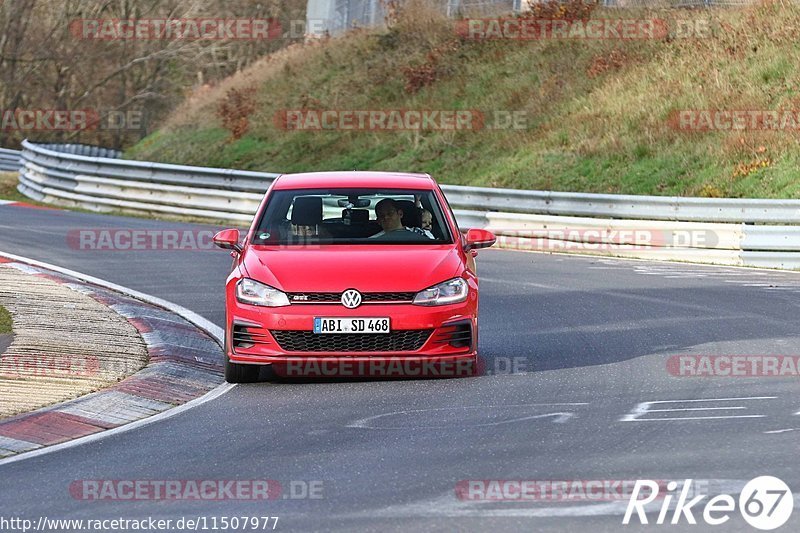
x,y
10,160
110,183
675,208
748,232
81,149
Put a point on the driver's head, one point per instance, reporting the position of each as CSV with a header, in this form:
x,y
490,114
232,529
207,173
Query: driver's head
x,y
389,215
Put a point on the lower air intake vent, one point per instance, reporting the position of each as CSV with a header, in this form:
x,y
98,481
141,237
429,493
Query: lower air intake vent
x,y
245,336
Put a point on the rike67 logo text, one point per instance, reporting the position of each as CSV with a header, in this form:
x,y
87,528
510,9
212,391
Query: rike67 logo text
x,y
765,503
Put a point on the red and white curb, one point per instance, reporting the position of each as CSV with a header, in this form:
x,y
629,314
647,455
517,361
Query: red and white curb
x,y
13,203
184,370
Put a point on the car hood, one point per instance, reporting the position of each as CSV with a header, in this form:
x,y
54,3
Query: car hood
x,y
372,268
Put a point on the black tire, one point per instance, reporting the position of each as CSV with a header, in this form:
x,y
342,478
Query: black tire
x,y
235,373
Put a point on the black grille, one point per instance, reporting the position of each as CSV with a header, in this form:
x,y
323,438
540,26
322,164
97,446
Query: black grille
x,y
458,335
335,297
307,341
371,297
247,336
314,297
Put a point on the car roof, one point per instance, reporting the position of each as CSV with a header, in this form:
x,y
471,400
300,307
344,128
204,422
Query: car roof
x,y
354,178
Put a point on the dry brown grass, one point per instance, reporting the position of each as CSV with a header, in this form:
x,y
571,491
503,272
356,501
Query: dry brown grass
x,y
599,109
198,109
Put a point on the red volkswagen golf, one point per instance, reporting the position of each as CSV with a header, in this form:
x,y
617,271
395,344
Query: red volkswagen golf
x,y
352,274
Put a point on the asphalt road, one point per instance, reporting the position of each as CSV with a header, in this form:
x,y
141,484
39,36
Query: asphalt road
x,y
589,339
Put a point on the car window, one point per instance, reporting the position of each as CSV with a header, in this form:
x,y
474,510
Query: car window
x,y
351,216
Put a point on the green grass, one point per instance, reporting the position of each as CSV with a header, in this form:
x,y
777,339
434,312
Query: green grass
x,y
597,111
5,321
8,188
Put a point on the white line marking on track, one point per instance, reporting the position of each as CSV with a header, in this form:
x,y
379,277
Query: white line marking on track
x,y
559,417
672,419
774,431
523,283
643,408
695,409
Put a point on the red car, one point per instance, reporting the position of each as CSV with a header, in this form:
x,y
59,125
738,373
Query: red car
x,y
352,274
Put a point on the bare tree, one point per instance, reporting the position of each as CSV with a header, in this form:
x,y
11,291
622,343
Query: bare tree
x,y
46,62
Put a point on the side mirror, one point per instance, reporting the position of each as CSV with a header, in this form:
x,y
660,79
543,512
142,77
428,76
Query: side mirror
x,y
479,238
228,239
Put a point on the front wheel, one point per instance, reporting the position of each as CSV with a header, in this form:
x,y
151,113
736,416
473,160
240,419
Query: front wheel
x,y
236,373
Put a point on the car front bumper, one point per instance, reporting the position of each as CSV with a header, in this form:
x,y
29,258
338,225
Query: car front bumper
x,y
253,334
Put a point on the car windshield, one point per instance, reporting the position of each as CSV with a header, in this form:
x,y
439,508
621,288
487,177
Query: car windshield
x,y
352,216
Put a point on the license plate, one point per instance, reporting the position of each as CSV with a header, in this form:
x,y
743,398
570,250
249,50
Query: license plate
x,y
324,325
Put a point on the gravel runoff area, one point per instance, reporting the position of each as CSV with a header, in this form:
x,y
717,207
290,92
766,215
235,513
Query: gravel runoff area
x,y
88,357
66,344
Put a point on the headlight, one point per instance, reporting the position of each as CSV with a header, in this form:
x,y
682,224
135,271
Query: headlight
x,y
448,292
249,291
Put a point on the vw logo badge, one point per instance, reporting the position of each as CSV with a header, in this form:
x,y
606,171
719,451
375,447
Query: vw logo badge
x,y
351,298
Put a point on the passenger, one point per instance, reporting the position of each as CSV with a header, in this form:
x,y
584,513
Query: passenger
x,y
390,217
427,220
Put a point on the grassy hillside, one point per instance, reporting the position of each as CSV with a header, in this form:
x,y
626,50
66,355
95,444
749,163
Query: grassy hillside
x,y
598,111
